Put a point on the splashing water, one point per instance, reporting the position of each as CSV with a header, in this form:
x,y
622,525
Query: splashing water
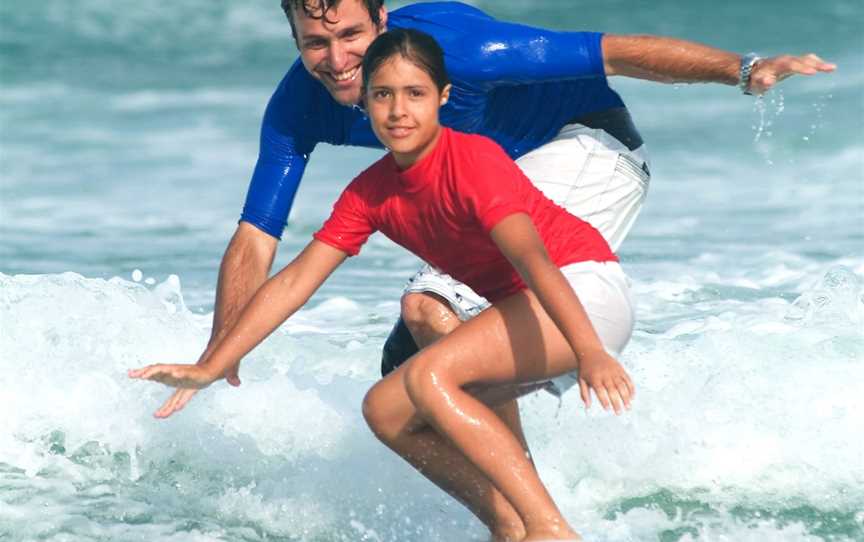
x,y
287,456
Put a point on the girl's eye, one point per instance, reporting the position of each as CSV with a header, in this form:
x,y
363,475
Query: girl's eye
x,y
380,94
415,93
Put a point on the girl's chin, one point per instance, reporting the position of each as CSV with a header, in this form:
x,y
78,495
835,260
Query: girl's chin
x,y
400,147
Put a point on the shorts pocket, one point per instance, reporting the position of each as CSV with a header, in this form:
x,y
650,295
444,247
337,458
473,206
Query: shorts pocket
x,y
629,166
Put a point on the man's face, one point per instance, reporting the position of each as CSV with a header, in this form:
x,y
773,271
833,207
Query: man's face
x,y
332,47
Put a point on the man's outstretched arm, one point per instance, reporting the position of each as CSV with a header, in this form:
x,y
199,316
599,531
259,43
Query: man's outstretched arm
x,y
672,60
245,266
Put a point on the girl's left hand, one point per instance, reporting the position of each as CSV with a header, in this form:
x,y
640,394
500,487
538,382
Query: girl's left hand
x,y
178,376
611,383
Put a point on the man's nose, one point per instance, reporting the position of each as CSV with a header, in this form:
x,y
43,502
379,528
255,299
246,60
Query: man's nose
x,y
337,57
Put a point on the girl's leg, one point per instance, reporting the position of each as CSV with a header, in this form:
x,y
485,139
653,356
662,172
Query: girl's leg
x,y
429,317
393,418
511,343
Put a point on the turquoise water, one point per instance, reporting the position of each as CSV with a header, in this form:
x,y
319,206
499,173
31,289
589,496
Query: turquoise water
x,y
128,132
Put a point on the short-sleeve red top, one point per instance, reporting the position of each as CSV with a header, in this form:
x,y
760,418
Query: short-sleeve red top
x,y
444,206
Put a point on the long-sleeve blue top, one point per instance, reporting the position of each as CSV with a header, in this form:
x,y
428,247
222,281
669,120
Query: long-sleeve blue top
x,y
516,84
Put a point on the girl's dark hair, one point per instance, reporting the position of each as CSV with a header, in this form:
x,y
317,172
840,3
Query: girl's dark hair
x,y
415,46
317,9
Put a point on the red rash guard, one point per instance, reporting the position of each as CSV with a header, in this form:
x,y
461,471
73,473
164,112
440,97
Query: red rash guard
x,y
443,208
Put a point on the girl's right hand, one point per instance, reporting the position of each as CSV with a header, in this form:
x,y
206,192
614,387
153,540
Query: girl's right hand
x,y
182,396
611,383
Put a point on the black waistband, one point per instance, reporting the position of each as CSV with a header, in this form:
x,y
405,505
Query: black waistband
x,y
616,122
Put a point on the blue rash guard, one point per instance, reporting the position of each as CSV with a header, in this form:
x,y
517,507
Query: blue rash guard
x,y
516,84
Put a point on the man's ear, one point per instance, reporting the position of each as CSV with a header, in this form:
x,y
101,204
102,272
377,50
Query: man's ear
x,y
382,18
445,94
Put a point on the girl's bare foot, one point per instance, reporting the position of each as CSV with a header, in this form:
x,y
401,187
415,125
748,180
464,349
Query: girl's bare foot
x,y
554,535
510,533
576,538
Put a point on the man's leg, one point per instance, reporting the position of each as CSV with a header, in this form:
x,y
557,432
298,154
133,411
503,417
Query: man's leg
x,y
398,347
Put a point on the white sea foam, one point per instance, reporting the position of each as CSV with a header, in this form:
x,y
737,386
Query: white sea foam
x,y
741,409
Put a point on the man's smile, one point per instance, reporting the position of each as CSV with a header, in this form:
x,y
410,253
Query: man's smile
x,y
343,77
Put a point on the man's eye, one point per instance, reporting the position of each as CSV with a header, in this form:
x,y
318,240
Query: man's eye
x,y
417,93
380,94
315,44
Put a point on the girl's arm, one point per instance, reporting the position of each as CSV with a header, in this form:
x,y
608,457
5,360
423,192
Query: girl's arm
x,y
276,300
519,241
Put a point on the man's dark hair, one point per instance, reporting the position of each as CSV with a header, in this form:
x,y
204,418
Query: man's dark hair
x,y
415,46
317,9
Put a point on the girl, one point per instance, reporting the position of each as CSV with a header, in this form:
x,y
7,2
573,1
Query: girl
x,y
460,203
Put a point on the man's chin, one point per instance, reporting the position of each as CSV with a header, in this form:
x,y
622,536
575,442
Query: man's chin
x,y
345,96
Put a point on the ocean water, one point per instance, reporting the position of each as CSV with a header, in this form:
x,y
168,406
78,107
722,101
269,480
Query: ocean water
x,y
128,131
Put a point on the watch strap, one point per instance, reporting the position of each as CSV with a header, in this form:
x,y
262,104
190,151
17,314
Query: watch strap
x,y
745,70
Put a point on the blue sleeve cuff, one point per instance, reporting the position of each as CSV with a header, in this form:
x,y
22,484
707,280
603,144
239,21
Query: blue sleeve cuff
x,y
264,223
594,43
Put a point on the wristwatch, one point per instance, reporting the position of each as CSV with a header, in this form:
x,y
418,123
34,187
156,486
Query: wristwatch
x,y
745,70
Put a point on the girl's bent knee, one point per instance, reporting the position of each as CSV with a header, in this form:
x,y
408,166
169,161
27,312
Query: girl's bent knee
x,y
424,384
375,412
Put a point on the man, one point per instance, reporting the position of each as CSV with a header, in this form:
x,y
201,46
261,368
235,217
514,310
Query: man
x,y
542,95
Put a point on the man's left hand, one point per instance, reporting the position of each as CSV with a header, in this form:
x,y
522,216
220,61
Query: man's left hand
x,y
769,71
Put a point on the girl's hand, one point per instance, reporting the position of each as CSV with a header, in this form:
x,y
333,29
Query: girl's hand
x,y
611,383
179,376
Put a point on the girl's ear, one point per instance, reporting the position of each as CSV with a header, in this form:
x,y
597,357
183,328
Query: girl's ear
x,y
445,94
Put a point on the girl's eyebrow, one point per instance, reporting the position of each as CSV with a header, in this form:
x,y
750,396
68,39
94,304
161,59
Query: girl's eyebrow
x,y
421,86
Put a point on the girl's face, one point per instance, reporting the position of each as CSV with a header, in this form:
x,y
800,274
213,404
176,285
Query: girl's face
x,y
402,101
